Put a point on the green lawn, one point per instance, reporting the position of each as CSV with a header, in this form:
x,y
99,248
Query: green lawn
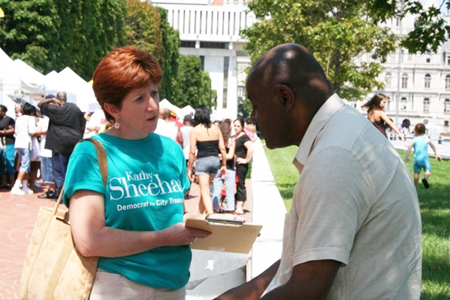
x,y
434,207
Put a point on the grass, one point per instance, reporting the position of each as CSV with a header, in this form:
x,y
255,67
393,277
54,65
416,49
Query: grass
x,y
434,208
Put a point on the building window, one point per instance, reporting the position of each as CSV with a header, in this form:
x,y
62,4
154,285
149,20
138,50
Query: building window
x,y
428,56
446,125
226,66
392,55
427,81
202,62
426,105
447,82
241,92
425,121
187,44
388,103
404,81
447,106
403,103
388,80
214,45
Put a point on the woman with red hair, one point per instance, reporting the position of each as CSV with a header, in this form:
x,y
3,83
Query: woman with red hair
x,y
135,222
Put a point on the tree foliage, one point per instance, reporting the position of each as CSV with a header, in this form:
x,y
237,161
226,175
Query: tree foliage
x,y
142,27
26,30
54,34
430,30
170,55
338,32
193,86
87,31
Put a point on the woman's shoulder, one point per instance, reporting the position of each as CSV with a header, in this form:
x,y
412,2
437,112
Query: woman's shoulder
x,y
84,147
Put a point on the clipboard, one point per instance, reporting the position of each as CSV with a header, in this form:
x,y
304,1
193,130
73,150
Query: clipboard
x,y
227,235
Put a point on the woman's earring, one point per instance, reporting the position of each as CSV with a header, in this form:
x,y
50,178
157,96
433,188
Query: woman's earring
x,y
116,125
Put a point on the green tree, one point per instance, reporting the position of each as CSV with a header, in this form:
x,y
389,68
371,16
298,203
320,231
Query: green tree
x,y
147,28
170,55
142,27
26,30
431,30
336,32
193,86
54,34
87,30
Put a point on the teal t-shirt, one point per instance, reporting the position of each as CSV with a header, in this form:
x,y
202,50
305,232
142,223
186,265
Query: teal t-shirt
x,y
144,192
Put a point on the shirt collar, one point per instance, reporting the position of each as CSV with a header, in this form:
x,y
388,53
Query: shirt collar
x,y
328,109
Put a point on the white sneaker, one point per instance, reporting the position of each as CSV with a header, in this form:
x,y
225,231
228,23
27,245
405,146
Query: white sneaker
x,y
27,190
17,191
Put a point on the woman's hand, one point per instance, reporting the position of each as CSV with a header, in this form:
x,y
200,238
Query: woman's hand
x,y
223,172
241,161
190,175
402,137
179,234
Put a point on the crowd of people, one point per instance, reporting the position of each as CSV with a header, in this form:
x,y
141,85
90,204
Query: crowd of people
x,y
335,242
217,153
38,143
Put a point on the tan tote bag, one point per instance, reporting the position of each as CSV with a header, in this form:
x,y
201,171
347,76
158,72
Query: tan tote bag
x,y
54,268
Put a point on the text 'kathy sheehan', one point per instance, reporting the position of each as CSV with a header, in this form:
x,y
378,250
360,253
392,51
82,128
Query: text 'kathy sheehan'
x,y
141,184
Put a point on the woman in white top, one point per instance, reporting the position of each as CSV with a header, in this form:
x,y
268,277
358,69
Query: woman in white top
x,y
25,129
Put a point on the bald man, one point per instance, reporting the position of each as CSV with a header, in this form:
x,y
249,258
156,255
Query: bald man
x,y
65,129
354,230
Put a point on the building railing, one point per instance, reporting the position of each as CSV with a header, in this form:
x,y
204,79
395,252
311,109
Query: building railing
x,y
209,23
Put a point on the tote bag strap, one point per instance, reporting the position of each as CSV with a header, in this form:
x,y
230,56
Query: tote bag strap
x,y
102,162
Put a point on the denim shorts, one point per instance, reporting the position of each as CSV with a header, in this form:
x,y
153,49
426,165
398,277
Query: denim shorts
x,y
24,154
422,164
207,165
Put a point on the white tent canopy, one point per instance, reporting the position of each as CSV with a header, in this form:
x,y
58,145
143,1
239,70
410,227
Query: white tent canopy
x,y
187,110
166,104
32,80
77,89
9,82
17,76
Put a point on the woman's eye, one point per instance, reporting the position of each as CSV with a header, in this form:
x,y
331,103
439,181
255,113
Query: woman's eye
x,y
140,99
155,93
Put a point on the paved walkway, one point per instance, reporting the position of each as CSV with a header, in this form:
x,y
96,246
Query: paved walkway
x,y
17,217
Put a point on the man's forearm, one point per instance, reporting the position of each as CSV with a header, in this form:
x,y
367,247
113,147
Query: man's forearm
x,y
45,101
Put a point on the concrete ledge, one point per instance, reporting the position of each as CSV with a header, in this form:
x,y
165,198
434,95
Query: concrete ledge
x,y
268,210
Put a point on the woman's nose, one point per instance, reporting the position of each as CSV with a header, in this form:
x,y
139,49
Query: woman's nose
x,y
152,104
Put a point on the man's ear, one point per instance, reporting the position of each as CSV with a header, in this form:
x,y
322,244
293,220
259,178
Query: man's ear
x,y
287,96
111,109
